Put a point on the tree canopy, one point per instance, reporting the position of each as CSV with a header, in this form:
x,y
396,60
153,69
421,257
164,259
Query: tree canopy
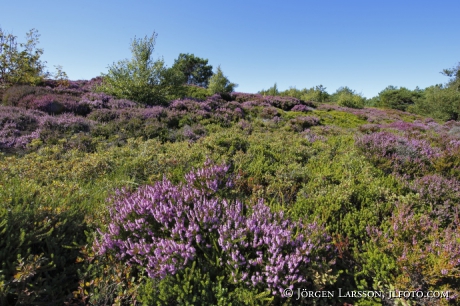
x,y
142,79
219,83
195,69
20,62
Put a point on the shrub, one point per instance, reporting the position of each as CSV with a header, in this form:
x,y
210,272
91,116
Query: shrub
x,y
440,103
401,99
141,79
427,255
15,94
20,66
39,247
301,108
301,123
218,83
168,229
350,100
398,153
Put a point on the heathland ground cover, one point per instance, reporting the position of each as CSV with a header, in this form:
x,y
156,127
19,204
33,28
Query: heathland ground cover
x,y
202,197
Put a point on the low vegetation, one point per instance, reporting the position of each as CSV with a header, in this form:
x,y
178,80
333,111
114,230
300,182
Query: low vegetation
x,y
206,196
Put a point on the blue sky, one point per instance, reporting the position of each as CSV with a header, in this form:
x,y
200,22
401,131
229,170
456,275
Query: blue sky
x,y
365,45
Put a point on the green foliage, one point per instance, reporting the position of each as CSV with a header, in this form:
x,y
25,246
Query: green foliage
x,y
196,92
401,99
341,119
439,102
141,79
353,101
196,70
272,91
193,286
317,93
15,93
39,247
219,83
20,66
454,74
344,90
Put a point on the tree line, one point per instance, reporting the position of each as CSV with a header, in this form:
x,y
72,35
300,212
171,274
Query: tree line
x,y
148,81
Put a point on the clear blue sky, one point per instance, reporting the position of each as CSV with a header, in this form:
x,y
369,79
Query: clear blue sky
x,y
365,45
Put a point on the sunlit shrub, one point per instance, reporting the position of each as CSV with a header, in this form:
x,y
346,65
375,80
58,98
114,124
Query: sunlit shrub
x,y
166,228
301,123
427,255
350,100
398,153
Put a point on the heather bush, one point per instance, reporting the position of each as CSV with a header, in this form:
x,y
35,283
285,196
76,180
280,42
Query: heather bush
x,y
14,94
301,123
440,197
166,228
398,154
301,108
426,254
39,248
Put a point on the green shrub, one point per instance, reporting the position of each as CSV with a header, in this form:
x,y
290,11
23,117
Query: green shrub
x,y
218,83
141,79
401,99
350,100
439,103
39,249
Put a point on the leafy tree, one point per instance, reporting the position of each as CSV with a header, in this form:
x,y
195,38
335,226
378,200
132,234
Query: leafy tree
x,y
439,102
341,91
219,83
454,74
196,70
344,96
317,93
141,79
397,98
20,62
272,91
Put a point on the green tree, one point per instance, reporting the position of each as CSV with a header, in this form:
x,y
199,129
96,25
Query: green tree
x,y
141,79
439,102
196,70
20,62
219,83
397,98
454,74
344,90
344,96
272,91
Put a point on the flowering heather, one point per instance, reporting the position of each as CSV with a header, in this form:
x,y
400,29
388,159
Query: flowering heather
x,y
303,122
301,108
441,195
284,103
166,227
400,151
426,252
312,136
372,115
18,126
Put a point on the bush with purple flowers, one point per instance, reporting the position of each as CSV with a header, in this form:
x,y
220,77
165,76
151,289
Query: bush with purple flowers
x,y
426,254
398,153
165,228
